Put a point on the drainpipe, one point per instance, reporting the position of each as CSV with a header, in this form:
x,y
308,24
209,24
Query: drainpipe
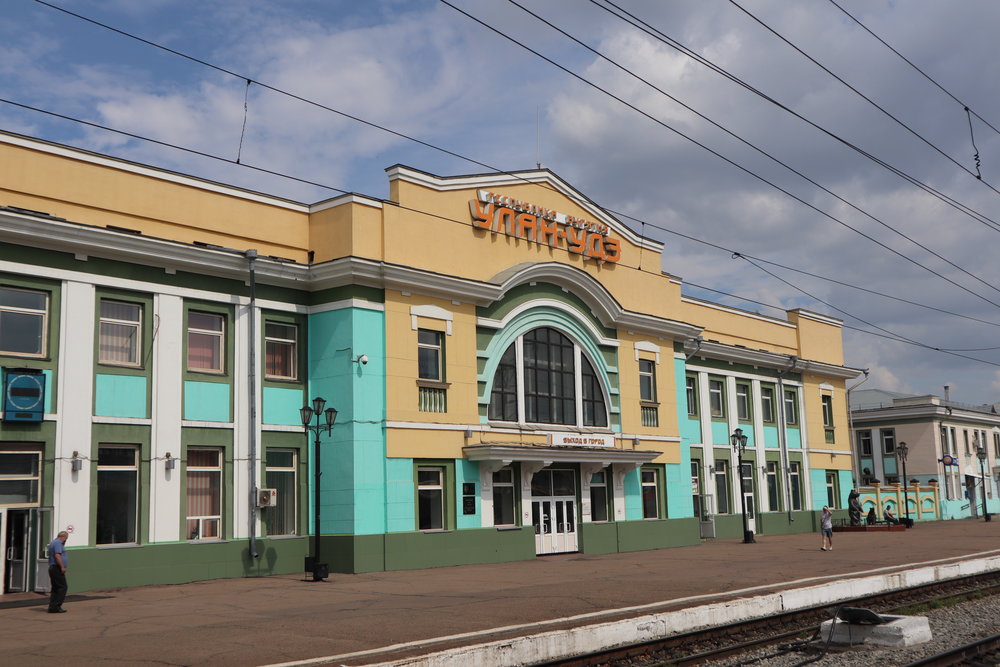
x,y
850,431
251,256
782,436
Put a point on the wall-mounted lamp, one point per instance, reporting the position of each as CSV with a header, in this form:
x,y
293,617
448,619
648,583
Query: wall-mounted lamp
x,y
468,433
361,359
76,463
636,441
170,462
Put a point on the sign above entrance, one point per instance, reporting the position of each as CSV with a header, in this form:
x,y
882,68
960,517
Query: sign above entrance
x,y
581,440
524,220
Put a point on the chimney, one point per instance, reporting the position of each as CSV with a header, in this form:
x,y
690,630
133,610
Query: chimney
x,y
947,396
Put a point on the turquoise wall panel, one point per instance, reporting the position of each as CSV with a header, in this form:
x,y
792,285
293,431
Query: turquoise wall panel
x,y
400,492
720,433
679,487
633,496
845,482
818,480
771,436
889,466
794,439
467,472
207,401
353,480
48,391
120,396
281,406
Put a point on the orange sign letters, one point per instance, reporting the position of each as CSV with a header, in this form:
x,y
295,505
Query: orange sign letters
x,y
523,220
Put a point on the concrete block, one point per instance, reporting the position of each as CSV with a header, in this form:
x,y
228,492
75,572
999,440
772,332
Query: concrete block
x,y
898,632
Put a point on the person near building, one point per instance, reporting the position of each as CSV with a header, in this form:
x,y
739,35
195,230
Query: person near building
x,y
58,562
826,528
889,516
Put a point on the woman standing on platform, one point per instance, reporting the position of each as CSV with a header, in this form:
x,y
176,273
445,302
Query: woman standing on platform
x,y
826,527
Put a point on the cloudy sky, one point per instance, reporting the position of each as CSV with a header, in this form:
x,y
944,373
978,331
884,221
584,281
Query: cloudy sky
x,y
766,146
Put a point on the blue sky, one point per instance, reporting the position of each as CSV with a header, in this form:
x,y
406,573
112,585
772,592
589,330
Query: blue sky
x,y
422,69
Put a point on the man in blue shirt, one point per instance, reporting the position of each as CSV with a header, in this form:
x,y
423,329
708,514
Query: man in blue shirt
x,y
58,562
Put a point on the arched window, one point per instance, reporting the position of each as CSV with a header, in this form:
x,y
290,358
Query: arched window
x,y
556,380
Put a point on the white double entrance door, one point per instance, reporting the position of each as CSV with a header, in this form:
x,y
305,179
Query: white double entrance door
x,y
553,511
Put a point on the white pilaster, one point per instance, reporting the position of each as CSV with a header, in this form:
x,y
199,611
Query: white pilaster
x,y
75,410
168,394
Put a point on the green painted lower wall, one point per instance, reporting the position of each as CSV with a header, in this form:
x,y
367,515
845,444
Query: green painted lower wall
x,y
598,538
643,535
92,568
778,523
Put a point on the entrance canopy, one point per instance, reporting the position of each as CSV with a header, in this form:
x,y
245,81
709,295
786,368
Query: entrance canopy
x,y
495,457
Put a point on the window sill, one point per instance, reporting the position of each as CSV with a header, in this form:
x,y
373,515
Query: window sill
x,y
211,540
436,530
649,404
505,528
278,380
123,545
281,537
433,384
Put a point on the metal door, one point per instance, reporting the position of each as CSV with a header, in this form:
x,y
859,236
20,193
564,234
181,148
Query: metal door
x,y
747,488
15,557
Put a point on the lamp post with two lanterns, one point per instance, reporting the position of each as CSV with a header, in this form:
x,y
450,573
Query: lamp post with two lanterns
x,y
739,443
901,451
317,410
981,453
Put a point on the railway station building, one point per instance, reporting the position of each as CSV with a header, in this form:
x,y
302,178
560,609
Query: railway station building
x,y
513,373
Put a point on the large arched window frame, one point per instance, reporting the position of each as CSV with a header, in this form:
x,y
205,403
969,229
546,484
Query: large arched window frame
x,y
545,377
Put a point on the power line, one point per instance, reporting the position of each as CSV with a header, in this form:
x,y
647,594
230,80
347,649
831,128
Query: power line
x,y
662,37
911,64
474,161
444,218
722,157
861,95
629,72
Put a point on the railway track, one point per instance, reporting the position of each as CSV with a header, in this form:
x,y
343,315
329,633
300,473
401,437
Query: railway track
x,y
985,652
788,632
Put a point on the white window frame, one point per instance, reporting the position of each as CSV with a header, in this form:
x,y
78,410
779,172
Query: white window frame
x,y
437,348
767,405
691,387
887,435
134,468
601,484
135,324
285,499
36,478
791,398
219,335
647,369
653,484
291,344
43,314
743,402
716,394
203,519
795,486
773,487
504,484
439,487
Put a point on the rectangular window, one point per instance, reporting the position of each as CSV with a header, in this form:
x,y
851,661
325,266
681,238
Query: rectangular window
x,y
772,486
117,494
746,487
692,395
767,404
23,322
722,487
954,441
743,402
831,489
795,485
888,436
206,338
503,497
696,486
716,401
121,333
280,474
828,418
647,381
19,477
430,498
865,443
968,447
996,445
204,494
281,351
599,496
429,348
650,493
791,407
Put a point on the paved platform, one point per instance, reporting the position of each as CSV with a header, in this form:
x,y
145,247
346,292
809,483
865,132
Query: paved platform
x,y
381,618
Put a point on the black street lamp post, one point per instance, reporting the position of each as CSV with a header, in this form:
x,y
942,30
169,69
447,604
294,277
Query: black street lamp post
x,y
739,442
901,451
981,453
319,570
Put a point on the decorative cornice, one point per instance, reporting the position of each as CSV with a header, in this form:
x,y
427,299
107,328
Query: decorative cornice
x,y
744,355
605,455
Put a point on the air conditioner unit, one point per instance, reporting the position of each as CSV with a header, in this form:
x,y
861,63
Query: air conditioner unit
x,y
267,497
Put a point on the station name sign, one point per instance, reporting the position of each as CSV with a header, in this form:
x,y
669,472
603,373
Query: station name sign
x,y
501,214
581,440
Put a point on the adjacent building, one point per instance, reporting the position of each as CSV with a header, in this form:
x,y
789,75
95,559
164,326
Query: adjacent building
x,y
955,445
513,375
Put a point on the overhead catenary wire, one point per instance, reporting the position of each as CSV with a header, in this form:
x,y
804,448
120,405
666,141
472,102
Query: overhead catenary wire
x,y
771,157
636,22
914,66
441,217
723,157
857,92
474,161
